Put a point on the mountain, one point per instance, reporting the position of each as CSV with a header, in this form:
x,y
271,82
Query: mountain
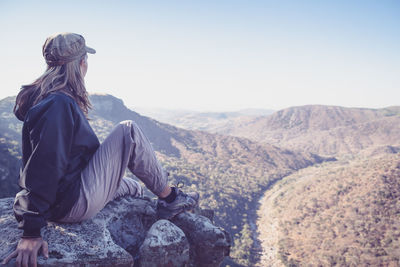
x,y
9,167
343,213
229,172
212,122
10,150
335,213
324,130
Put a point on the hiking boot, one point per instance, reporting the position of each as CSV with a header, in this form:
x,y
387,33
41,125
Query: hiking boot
x,y
183,202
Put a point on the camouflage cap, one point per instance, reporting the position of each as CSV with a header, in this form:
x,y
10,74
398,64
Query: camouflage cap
x,y
62,48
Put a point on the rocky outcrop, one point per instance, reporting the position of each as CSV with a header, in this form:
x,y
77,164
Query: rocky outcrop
x,y
125,233
165,245
208,242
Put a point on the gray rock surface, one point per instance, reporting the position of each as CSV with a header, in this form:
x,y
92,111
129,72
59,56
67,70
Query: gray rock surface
x,y
165,245
113,237
208,243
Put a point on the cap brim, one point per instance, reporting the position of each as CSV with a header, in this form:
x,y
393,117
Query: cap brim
x,y
90,50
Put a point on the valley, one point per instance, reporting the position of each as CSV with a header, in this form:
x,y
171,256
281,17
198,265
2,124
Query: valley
x,y
343,213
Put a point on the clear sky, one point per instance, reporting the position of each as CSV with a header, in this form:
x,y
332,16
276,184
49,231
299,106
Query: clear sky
x,y
216,55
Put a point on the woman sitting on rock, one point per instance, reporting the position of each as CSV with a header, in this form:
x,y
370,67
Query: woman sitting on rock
x,y
66,174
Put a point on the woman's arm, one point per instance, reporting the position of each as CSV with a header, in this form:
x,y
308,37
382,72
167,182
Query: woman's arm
x,y
48,132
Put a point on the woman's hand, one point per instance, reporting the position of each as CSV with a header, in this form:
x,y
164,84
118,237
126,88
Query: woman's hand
x,y
27,251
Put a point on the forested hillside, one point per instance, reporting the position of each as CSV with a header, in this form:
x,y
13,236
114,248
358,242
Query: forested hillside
x,y
343,213
10,150
9,166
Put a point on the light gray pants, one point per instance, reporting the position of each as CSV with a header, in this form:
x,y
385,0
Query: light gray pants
x,y
102,179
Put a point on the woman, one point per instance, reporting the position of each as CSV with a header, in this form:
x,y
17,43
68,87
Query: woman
x,y
66,175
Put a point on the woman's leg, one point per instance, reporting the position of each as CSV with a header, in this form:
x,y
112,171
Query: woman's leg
x,y
126,146
128,187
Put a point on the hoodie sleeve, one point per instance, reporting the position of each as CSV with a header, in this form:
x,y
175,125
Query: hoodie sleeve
x,y
50,130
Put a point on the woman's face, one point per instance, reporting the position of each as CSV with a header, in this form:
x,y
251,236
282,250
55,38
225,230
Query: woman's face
x,y
84,66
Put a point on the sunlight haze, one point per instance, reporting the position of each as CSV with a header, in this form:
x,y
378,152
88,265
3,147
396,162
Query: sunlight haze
x,y
216,55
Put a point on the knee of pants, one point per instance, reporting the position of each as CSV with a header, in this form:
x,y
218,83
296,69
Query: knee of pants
x,y
129,124
126,123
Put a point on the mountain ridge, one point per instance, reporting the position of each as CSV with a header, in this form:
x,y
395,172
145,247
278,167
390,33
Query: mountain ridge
x,y
338,129
204,121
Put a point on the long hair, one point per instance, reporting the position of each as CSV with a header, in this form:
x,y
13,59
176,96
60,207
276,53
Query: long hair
x,y
66,78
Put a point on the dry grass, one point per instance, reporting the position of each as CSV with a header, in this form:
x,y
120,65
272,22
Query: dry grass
x,y
344,213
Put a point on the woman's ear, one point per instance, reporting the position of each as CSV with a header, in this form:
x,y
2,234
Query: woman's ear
x,y
83,61
83,65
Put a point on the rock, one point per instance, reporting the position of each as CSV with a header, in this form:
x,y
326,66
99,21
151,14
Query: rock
x,y
165,245
128,220
113,237
89,243
209,244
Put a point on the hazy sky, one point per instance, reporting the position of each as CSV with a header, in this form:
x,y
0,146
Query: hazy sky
x,y
216,55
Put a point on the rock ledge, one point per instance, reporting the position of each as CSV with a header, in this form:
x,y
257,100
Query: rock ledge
x,y
125,233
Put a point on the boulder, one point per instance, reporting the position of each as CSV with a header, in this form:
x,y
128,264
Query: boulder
x,y
208,243
165,245
125,233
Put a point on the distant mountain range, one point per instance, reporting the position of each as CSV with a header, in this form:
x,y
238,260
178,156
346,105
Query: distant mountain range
x,y
212,122
324,130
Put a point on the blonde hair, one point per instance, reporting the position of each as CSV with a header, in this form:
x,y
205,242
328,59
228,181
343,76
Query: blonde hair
x,y
66,78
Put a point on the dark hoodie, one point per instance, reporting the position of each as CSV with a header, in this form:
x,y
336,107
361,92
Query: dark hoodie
x,y
57,143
